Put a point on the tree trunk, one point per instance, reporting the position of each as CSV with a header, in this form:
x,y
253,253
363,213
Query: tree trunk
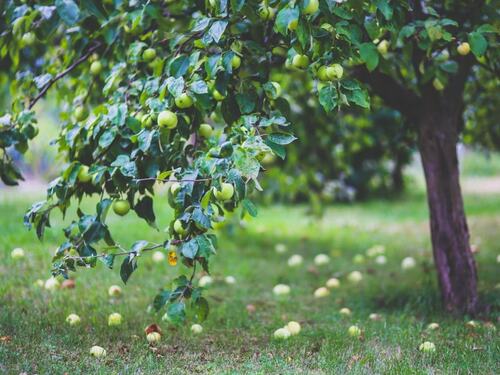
x,y
438,135
398,183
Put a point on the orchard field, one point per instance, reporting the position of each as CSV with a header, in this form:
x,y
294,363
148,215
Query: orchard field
x,y
237,337
249,186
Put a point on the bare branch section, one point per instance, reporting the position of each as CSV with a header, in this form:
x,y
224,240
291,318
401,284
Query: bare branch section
x,y
394,94
70,68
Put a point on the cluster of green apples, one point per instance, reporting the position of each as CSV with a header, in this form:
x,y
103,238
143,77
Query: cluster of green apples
x,y
222,194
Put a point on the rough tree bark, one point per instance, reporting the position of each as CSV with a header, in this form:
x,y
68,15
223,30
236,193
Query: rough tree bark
x,y
437,118
456,269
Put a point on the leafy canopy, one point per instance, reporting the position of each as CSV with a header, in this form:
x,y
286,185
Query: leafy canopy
x,y
117,66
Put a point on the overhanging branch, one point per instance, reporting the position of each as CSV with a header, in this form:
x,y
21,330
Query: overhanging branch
x,y
49,84
392,92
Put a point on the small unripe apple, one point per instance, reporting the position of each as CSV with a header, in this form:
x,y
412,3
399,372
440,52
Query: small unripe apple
x,y
81,113
51,284
321,292
280,248
281,334
345,311
355,277
217,95
174,188
114,319
300,61
433,326
277,89
98,352
205,130
281,289
375,250
236,62
293,328
266,12
149,54
321,259
183,101
179,227
312,7
153,337
158,257
408,263
96,68
427,347
121,207
167,119
321,73
354,331
28,38
295,260
17,253
83,174
73,319
332,283
374,316
68,284
358,259
383,47
334,71
205,280
225,193
463,48
293,24
196,329
147,121
114,291
438,85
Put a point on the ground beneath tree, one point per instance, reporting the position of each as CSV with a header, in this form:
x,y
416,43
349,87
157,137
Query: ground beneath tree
x,y
237,336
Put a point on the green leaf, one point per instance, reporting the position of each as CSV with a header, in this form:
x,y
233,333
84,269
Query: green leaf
x,y
175,86
161,299
200,308
205,246
217,29
129,265
108,260
249,207
369,54
281,138
189,249
449,66
478,43
176,313
284,17
68,11
144,209
328,98
385,8
372,27
359,97
277,149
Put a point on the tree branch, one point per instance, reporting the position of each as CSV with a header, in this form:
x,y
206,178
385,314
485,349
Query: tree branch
x,y
392,92
63,73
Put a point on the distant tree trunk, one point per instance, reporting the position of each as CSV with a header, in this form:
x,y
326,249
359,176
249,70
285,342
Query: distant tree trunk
x,y
397,177
438,135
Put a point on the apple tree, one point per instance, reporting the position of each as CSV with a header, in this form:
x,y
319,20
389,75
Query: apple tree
x,y
178,93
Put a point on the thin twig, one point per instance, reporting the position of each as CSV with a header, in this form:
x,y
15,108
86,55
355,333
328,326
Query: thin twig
x,y
63,73
166,180
156,246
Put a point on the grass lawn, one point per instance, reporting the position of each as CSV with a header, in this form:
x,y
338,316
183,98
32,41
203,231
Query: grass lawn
x,y
35,339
